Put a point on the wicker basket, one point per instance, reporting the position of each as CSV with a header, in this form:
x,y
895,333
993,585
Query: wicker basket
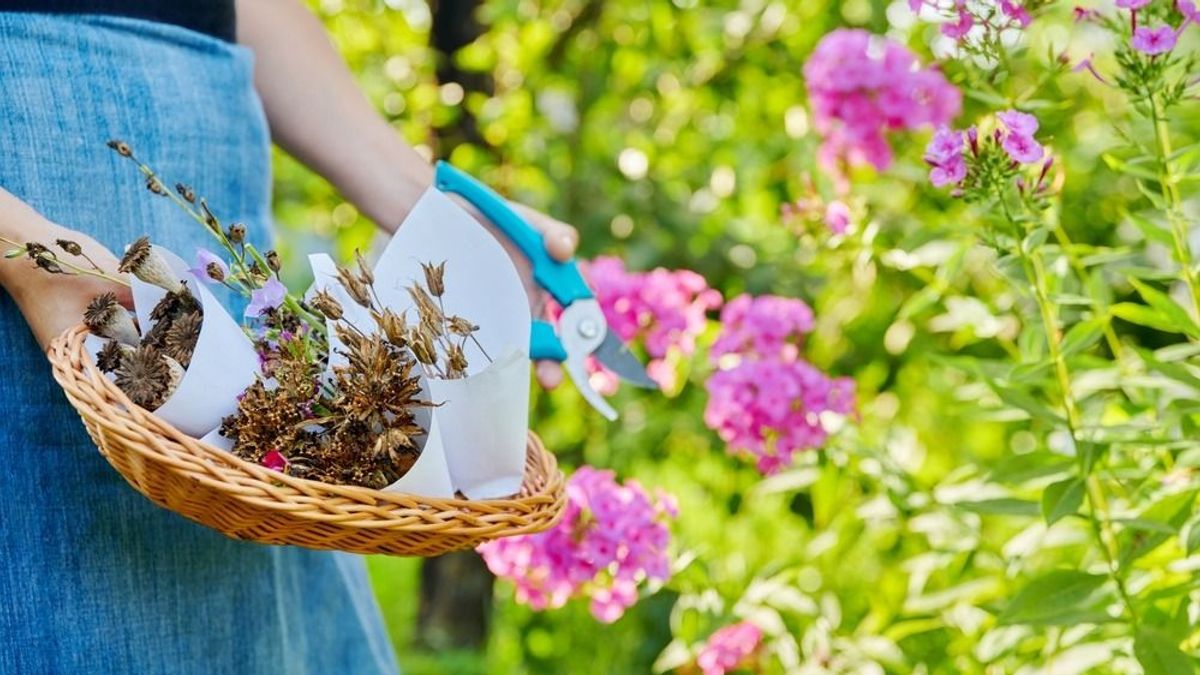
x,y
246,501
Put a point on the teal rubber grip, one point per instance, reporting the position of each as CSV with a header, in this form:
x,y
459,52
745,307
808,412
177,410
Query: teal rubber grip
x,y
544,344
561,280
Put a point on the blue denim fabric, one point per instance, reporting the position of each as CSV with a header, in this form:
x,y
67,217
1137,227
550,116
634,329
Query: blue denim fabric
x,y
93,577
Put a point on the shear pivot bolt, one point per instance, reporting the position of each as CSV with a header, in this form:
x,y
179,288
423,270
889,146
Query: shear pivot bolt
x,y
589,329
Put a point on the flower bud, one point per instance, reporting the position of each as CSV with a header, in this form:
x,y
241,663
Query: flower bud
x,y
237,233
215,272
69,246
273,261
121,148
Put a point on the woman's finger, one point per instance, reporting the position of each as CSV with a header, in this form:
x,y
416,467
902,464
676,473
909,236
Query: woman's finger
x,y
549,374
561,240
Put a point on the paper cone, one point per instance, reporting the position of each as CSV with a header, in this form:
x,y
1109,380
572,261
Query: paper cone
x,y
222,366
429,476
484,421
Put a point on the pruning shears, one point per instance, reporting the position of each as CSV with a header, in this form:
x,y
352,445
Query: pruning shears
x,y
582,330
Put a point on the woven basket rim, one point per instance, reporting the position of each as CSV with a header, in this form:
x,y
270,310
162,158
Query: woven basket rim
x,y
264,488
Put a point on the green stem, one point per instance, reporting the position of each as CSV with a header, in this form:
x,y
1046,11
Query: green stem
x,y
1035,270
1170,191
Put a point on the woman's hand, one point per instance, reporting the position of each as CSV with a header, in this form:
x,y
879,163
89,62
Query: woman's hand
x,y
52,303
561,241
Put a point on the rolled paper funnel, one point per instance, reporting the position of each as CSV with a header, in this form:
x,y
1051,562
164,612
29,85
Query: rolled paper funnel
x,y
484,424
223,364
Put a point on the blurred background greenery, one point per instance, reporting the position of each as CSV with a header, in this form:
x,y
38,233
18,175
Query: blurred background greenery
x,y
670,132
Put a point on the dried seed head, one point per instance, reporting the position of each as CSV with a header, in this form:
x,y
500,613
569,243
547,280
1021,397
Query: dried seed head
x,y
48,263
145,263
186,192
237,233
145,377
35,250
209,219
214,272
435,278
121,148
364,269
180,340
111,356
69,246
273,260
176,373
107,318
422,347
393,327
457,360
359,291
426,307
327,305
154,185
391,442
461,327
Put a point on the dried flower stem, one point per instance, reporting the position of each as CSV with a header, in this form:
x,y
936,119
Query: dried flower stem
x,y
74,269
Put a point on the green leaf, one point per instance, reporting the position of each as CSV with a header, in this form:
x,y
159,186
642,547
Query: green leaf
x,y
1175,371
1117,164
1003,506
1019,398
1083,335
1062,499
1152,230
1060,598
1159,654
1193,538
1143,316
1168,308
1154,525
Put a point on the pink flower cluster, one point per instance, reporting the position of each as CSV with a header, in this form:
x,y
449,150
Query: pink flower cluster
x,y
947,152
611,538
665,309
986,17
769,402
863,87
729,648
1155,40
766,325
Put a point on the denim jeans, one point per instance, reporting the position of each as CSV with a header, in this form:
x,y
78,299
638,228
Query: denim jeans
x,y
93,577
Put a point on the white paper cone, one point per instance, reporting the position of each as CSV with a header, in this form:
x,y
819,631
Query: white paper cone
x,y
429,476
484,423
482,284
215,439
222,366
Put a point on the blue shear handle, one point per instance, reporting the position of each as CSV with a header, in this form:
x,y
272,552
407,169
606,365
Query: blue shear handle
x,y
544,344
561,279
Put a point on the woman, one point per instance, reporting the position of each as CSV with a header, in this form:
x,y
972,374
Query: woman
x,y
93,577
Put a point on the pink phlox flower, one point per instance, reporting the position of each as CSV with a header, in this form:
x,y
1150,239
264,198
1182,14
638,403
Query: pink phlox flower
x,y
1155,41
729,648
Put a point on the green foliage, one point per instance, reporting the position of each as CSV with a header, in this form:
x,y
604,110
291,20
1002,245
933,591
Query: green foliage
x,y
1019,491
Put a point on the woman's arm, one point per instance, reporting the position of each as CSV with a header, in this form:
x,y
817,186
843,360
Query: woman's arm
x,y
50,303
318,114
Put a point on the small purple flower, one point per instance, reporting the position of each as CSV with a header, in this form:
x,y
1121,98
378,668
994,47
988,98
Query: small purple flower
x,y
1017,12
1017,122
946,143
837,217
960,28
1154,40
269,296
1132,4
1189,10
1087,65
204,258
948,172
1022,149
